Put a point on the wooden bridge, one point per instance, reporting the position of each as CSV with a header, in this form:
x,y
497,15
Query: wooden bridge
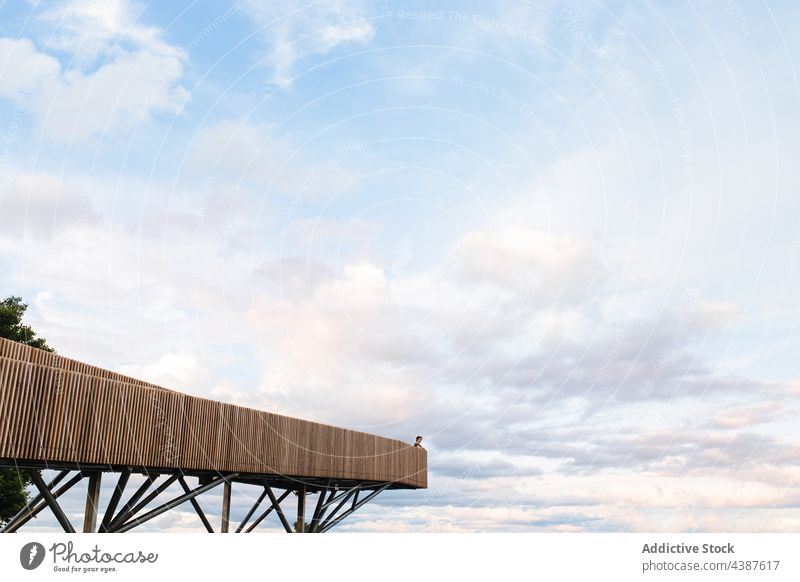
x,y
84,422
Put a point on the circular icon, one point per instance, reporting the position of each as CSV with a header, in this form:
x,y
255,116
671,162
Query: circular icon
x,y
31,555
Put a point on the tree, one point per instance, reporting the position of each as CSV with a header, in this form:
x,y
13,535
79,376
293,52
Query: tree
x,y
13,495
11,327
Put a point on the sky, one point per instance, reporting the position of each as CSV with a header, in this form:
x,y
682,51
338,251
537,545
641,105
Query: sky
x,y
557,239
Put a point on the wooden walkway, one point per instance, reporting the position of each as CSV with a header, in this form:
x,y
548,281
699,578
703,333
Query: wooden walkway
x,y
58,412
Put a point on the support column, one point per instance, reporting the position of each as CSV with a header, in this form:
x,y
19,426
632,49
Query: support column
x,y
300,525
51,502
92,501
226,507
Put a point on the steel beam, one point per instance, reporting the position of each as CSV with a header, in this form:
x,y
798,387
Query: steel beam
x,y
277,506
331,524
29,507
261,517
339,497
252,511
197,508
330,509
51,501
151,496
174,503
131,509
317,509
131,502
342,499
122,482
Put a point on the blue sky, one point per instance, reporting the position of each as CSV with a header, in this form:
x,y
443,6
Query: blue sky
x,y
557,239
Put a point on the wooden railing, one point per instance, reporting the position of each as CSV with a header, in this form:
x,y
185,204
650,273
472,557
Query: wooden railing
x,y
57,410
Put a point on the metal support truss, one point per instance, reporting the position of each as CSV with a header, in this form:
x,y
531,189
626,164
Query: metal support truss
x,y
45,492
332,505
196,506
38,504
261,517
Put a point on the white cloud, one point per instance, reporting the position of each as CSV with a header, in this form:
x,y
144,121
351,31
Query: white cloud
x,y
120,291
90,28
243,152
717,313
325,350
119,75
310,231
745,416
177,371
39,206
532,259
122,93
361,288
23,68
294,31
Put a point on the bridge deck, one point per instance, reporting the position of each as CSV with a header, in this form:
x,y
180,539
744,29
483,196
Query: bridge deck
x,y
55,411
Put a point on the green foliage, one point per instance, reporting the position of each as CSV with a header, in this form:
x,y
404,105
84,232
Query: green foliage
x,y
13,495
11,327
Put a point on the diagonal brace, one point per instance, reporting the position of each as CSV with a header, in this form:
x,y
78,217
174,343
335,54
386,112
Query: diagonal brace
x,y
331,523
197,508
115,498
104,528
261,517
252,511
131,509
174,503
277,507
51,501
30,510
342,499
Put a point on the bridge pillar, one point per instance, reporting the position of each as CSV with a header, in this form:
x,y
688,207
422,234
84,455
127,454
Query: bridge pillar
x,y
92,502
300,524
226,507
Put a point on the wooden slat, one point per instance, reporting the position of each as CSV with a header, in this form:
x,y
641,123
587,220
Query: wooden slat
x,y
58,409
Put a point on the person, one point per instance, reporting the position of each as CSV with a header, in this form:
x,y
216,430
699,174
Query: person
x,y
419,442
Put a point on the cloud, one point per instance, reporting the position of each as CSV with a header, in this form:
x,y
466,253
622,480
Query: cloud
x,y
39,206
454,350
515,388
255,154
23,68
180,371
120,73
113,295
464,467
748,415
327,348
292,32
543,265
241,151
305,232
124,92
713,314
88,29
